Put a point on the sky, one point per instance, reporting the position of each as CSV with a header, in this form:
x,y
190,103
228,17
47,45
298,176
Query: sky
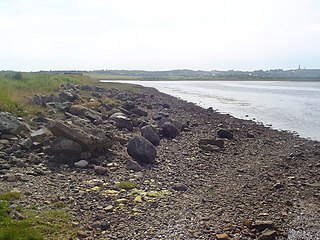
x,y
159,35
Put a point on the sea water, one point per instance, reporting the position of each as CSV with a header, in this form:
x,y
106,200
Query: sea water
x,y
285,105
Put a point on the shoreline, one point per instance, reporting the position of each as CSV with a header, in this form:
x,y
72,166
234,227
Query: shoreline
x,y
277,125
193,191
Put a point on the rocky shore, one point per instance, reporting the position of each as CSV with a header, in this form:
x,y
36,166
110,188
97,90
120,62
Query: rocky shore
x,y
140,164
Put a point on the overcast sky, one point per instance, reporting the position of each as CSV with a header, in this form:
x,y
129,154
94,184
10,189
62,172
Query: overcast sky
x,y
159,35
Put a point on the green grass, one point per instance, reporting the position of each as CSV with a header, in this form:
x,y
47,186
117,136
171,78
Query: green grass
x,y
16,90
34,224
8,196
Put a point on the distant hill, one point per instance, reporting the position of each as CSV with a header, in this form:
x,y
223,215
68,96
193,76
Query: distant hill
x,y
186,74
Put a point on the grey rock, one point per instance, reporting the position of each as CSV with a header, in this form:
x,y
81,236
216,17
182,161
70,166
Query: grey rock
x,y
26,143
141,150
4,141
9,137
140,112
99,170
209,148
129,106
124,122
93,115
81,164
149,133
34,159
169,130
262,225
224,133
105,225
10,124
77,110
268,234
211,141
68,96
114,116
180,187
65,146
132,165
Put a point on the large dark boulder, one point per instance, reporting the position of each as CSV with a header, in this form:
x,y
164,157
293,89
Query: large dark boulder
x,y
140,112
170,130
141,150
224,133
148,133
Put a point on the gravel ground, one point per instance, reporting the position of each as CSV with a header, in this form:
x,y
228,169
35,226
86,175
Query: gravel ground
x,y
261,179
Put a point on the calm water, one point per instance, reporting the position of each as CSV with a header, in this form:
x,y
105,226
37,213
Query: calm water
x,y
293,106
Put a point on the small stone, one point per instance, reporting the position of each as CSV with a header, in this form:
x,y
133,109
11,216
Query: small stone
x,y
81,164
180,187
132,165
224,133
268,234
222,236
96,224
4,141
105,226
209,148
138,199
82,234
262,225
99,170
247,223
11,177
34,159
108,208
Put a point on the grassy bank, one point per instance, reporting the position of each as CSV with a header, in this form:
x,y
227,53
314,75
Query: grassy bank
x,y
16,89
21,223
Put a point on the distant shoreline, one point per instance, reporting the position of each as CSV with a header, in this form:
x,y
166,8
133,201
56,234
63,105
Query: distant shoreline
x,y
213,80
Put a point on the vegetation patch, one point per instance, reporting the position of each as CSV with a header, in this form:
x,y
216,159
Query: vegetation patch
x,y
16,89
17,223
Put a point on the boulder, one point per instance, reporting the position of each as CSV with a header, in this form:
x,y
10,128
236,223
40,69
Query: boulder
x,y
10,124
224,133
149,133
128,106
68,96
88,141
169,130
139,112
41,135
78,110
65,146
141,150
123,122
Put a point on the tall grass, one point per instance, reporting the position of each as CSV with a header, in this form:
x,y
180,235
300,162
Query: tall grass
x,y
17,89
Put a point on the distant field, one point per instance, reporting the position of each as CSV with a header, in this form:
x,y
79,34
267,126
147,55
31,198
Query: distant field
x,y
98,76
